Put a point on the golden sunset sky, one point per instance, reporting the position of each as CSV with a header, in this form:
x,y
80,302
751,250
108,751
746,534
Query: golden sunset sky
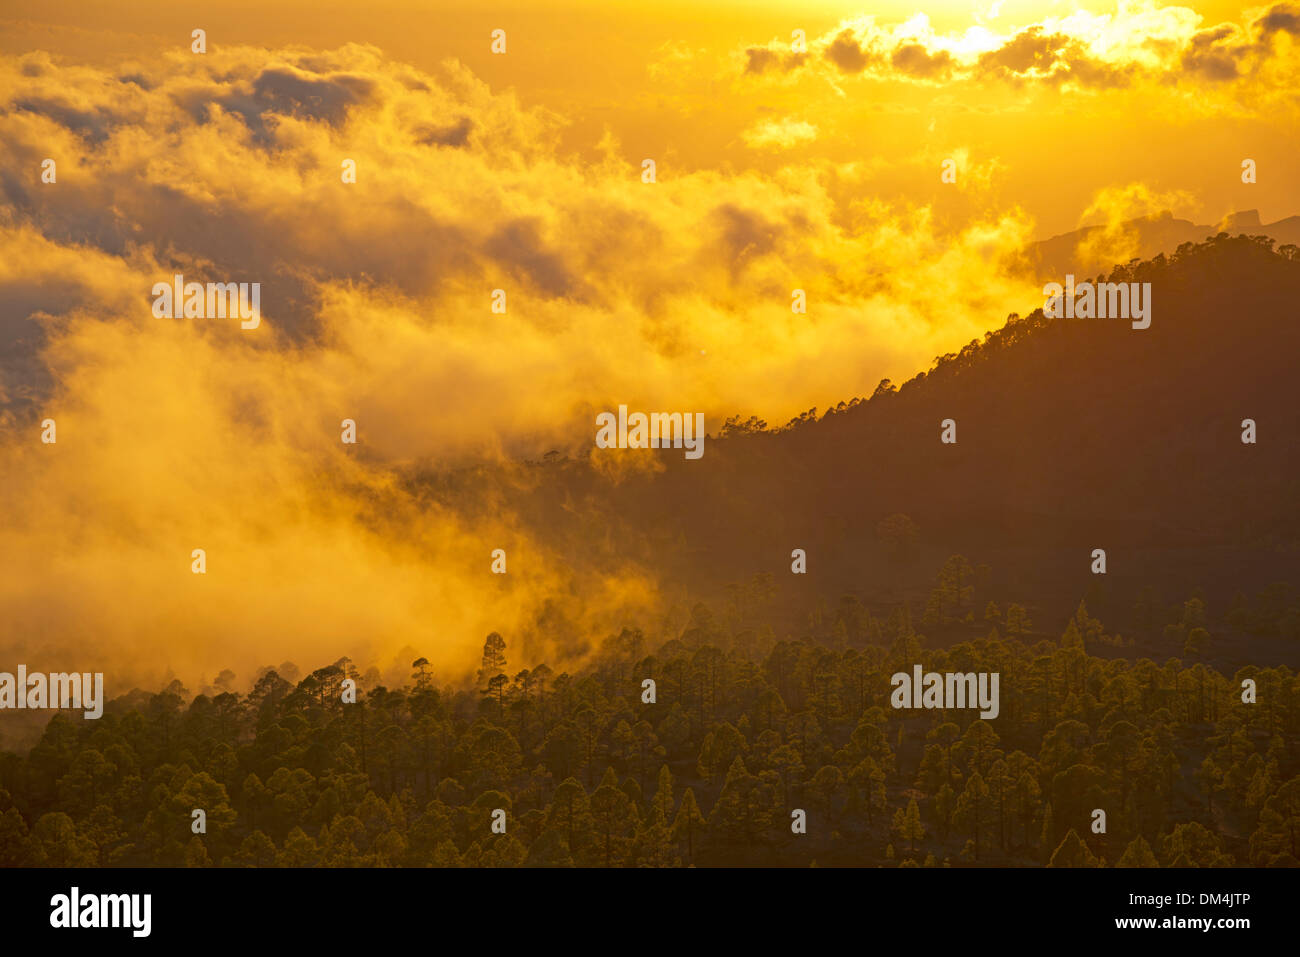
x,y
520,171
1148,99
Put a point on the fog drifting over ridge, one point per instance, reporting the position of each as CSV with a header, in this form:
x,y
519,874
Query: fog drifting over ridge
x,y
176,434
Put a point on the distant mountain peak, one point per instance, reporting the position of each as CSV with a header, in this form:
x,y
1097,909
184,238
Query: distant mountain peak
x,y
1146,237
1241,221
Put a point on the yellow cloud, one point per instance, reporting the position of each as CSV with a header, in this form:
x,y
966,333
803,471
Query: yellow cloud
x,y
1140,43
779,134
177,434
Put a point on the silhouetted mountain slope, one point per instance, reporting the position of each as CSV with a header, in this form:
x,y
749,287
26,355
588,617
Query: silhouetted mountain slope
x,y
1151,236
1072,434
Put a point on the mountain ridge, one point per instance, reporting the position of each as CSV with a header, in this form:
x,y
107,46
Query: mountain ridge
x,y
1071,435
1152,235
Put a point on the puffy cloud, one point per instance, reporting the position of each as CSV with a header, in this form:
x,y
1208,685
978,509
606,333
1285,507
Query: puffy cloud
x,y
779,134
915,60
846,54
1139,42
762,59
1215,53
1029,50
1280,18
175,434
1114,211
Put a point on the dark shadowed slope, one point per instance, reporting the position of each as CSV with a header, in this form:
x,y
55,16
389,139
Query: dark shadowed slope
x,y
1072,435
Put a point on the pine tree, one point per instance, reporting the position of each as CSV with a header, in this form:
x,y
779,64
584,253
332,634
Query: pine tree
x,y
551,849
1072,852
972,809
688,823
614,818
1048,835
944,802
1017,623
1137,854
299,850
654,842
907,824
196,855
663,799
494,660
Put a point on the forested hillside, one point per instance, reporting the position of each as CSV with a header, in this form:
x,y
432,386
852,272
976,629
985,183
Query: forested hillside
x,y
744,730
1072,434
1163,693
